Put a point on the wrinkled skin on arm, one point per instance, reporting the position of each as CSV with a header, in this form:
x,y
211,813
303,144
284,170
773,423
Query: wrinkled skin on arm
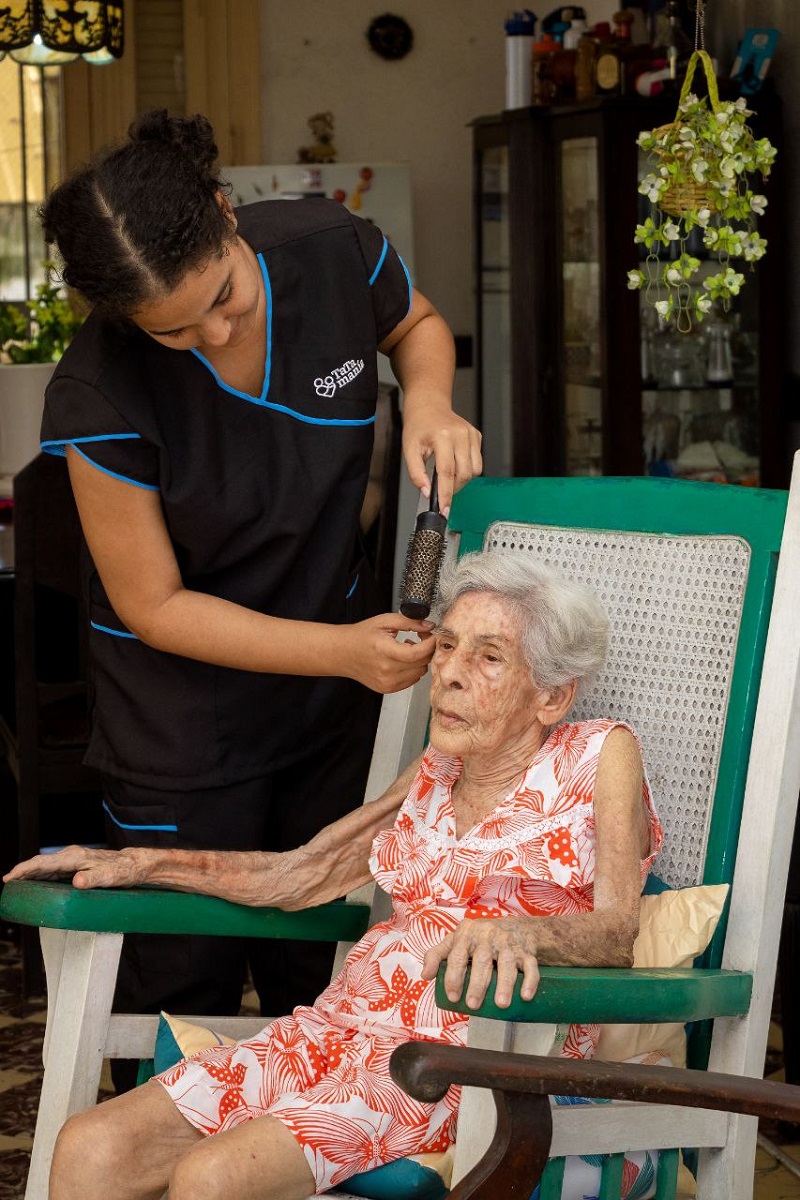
x,y
333,863
603,937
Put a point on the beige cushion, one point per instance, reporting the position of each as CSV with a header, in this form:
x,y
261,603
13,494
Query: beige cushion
x,y
674,928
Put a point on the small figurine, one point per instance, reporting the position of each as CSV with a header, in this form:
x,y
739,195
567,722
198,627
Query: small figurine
x,y
323,149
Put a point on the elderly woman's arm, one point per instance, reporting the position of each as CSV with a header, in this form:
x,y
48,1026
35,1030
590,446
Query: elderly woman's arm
x,y
603,937
330,865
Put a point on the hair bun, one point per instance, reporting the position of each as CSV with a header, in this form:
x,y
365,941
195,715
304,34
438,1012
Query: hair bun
x,y
193,136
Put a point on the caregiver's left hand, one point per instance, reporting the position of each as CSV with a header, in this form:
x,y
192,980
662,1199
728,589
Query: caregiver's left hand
x,y
508,941
454,444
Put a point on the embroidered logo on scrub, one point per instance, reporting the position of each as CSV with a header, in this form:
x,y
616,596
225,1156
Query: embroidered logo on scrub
x,y
326,385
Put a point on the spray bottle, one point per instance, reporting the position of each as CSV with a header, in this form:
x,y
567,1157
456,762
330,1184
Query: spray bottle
x,y
519,29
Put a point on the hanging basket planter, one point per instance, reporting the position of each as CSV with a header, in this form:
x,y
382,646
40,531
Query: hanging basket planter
x,y
706,166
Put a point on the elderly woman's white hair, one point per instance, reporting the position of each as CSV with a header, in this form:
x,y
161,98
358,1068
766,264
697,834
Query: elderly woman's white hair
x,y
564,626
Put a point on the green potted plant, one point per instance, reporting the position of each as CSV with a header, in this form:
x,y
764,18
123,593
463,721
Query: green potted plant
x,y
707,171
33,336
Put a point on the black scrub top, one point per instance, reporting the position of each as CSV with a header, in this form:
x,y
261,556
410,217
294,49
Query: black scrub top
x,y
261,494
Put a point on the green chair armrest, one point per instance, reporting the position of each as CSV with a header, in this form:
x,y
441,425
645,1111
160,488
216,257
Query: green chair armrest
x,y
145,910
607,996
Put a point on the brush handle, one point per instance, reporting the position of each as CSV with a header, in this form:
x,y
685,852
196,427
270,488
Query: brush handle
x,y
433,505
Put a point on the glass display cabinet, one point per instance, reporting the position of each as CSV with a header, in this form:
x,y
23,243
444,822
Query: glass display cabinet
x,y
575,374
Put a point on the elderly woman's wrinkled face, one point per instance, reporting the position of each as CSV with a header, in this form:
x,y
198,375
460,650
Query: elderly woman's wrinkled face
x,y
482,697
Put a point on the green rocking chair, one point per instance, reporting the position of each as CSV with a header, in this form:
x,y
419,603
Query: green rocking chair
x,y
701,583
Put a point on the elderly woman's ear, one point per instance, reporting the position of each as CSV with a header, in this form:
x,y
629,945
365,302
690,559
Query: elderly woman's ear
x,y
554,703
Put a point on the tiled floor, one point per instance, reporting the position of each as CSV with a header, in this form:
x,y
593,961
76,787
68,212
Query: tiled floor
x,y
22,1027
773,1180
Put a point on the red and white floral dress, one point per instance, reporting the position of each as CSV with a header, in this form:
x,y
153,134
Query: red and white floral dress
x,y
323,1071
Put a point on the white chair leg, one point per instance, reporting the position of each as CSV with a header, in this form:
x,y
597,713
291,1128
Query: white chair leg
x,y
729,1174
477,1116
52,942
77,1029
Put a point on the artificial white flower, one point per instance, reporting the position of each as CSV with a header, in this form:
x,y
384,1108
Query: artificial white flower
x,y
754,248
730,139
652,187
733,281
703,303
635,280
664,308
703,216
700,169
673,276
671,231
758,204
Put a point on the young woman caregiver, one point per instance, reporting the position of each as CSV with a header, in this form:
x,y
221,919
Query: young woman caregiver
x,y
216,411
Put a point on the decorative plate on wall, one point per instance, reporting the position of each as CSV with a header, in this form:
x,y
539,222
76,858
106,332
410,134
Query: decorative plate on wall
x,y
390,36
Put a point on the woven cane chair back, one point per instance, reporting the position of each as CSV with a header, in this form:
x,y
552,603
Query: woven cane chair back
x,y
675,608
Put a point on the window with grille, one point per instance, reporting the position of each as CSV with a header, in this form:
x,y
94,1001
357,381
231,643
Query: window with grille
x,y
30,163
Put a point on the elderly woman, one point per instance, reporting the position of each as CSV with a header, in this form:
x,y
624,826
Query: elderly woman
x,y
522,839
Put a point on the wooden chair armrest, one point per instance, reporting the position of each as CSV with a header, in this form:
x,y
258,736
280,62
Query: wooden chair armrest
x,y
427,1069
610,995
522,1085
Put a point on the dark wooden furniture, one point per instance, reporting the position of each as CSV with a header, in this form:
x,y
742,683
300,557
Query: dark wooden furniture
x,y
567,356
522,1085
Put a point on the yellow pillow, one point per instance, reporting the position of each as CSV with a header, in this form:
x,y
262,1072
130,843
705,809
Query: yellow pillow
x,y
177,1039
674,927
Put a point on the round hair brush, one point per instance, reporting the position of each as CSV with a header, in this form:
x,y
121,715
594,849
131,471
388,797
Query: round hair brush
x,y
424,560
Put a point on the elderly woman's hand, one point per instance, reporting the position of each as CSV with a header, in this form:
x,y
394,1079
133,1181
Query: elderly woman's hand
x,y
88,868
510,942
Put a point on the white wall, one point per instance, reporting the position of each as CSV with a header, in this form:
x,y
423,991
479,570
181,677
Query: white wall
x,y
316,57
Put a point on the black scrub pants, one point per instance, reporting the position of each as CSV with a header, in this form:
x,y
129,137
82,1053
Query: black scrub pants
x,y
205,975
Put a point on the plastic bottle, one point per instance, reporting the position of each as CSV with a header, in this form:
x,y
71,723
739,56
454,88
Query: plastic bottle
x,y
543,86
519,29
564,65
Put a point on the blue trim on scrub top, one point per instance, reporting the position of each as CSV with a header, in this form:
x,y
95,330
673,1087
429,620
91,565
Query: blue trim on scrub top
x,y
381,261
116,632
58,445
150,828
262,400
148,487
353,588
268,359
410,286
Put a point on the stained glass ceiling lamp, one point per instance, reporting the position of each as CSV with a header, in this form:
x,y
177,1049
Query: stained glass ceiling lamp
x,y
47,33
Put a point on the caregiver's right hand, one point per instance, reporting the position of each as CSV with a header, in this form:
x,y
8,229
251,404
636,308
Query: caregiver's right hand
x,y
88,868
376,658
